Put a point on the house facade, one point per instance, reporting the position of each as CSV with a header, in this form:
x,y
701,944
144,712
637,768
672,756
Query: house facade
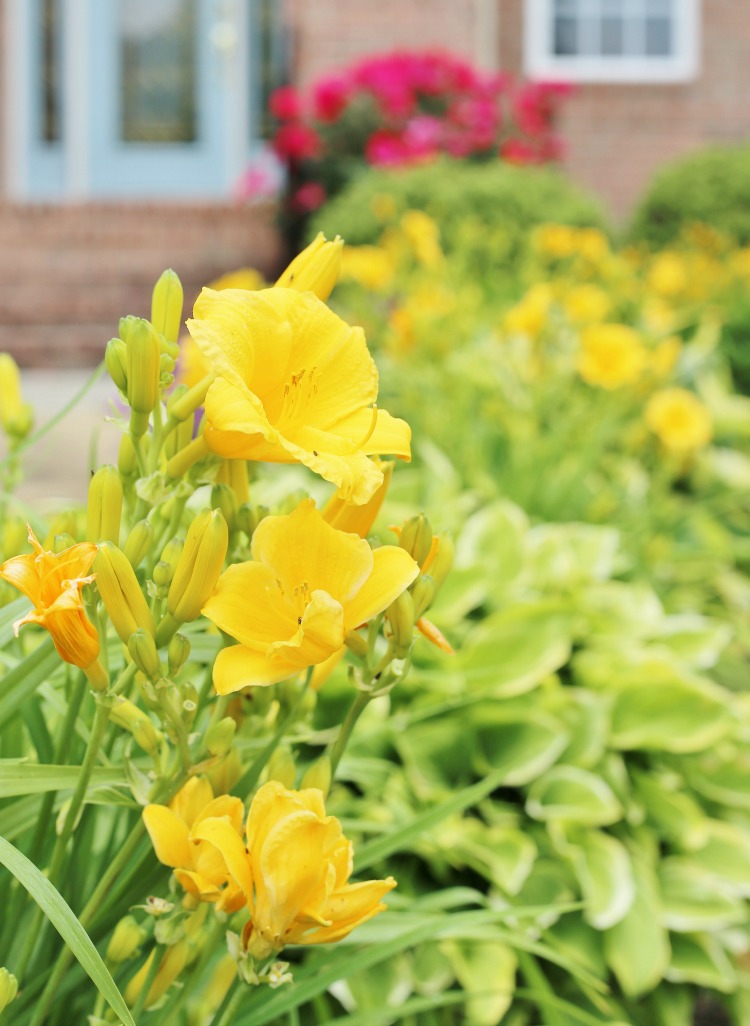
x,y
126,124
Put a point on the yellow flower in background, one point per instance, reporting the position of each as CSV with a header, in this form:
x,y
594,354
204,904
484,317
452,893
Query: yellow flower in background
x,y
667,275
665,356
424,235
611,355
53,582
370,266
243,278
529,316
294,872
586,304
679,419
658,315
294,384
555,240
291,606
592,244
197,866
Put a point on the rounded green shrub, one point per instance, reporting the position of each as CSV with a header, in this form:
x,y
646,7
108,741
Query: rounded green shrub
x,y
484,211
709,187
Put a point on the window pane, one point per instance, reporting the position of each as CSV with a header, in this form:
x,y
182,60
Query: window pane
x,y
658,37
566,36
158,67
612,36
49,11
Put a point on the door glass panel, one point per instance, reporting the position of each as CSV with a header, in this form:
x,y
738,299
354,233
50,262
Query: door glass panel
x,y
51,67
158,71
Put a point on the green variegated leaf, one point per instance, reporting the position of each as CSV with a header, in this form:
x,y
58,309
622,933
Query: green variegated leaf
x,y
701,960
605,874
573,795
693,899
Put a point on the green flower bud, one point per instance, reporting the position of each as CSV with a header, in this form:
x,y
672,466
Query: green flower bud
x,y
62,542
178,654
11,402
184,406
104,508
127,461
223,498
121,593
318,775
8,988
442,561
197,571
125,326
128,716
416,537
166,305
162,574
356,644
143,375
142,649
422,593
401,617
248,517
219,736
138,542
126,938
178,438
116,362
316,269
237,480
281,767
164,570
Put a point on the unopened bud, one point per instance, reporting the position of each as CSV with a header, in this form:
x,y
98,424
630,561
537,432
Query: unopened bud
x,y
142,649
104,508
281,768
248,517
121,593
238,480
8,988
128,716
166,305
11,401
116,362
219,736
185,404
197,571
177,654
125,326
162,575
127,460
138,542
442,561
125,940
223,498
416,537
143,375
356,644
62,542
316,269
422,593
318,775
164,570
178,438
401,617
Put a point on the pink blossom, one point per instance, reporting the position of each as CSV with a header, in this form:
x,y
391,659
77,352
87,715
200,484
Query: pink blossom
x,y
297,141
308,197
385,149
330,96
285,103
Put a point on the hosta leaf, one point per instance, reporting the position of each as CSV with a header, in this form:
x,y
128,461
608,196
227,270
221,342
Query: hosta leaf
x,y
677,715
700,959
693,899
605,874
726,854
575,795
487,972
523,746
722,779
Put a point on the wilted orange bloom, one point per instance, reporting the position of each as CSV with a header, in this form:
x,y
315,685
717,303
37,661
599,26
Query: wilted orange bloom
x,y
294,872
53,583
197,866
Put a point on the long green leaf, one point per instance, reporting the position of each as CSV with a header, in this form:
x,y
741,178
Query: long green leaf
x,y
65,922
18,777
8,616
26,677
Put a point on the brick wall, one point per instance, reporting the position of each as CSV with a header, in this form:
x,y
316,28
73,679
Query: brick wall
x,y
69,272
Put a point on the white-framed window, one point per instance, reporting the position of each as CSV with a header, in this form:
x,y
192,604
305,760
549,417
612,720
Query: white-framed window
x,y
612,40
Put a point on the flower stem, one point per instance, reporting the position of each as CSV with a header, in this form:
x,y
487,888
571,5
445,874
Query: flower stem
x,y
356,709
230,1005
145,990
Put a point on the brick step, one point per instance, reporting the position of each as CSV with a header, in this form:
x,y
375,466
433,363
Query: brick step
x,y
55,345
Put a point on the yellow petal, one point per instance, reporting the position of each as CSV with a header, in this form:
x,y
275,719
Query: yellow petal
x,y
191,799
169,836
358,519
348,908
321,632
303,549
198,884
389,436
22,573
356,477
393,571
238,667
248,604
232,408
221,835
221,329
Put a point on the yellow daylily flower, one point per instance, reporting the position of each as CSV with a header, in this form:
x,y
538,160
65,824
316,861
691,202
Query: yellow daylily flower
x,y
197,866
358,519
294,384
294,872
291,606
172,964
611,355
679,419
53,583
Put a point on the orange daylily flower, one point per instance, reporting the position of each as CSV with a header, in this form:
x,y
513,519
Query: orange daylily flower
x,y
291,606
294,872
53,583
197,866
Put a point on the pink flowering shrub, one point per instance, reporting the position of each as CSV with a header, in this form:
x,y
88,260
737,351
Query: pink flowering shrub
x,y
403,108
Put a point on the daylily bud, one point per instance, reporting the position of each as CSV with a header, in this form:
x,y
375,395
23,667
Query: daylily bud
x,y
62,542
116,362
178,438
219,736
8,988
416,537
316,269
143,375
121,593
442,561
125,326
166,305
422,593
177,654
164,570
127,461
281,767
248,517
162,574
170,967
125,940
223,498
401,617
238,480
128,716
318,775
142,649
197,571
15,414
356,644
185,404
138,542
104,506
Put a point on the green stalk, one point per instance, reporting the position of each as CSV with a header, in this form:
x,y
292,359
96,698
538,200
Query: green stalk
x,y
230,1005
153,969
356,709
